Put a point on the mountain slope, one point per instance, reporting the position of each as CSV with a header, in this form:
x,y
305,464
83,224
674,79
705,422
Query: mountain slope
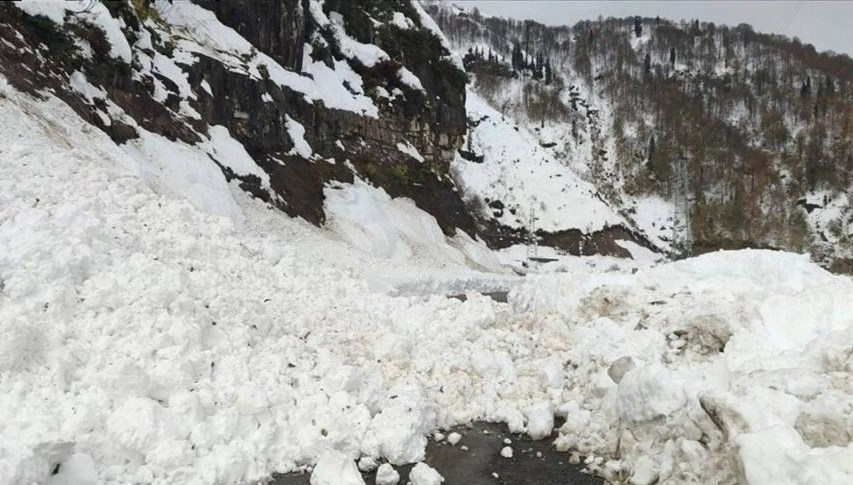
x,y
292,99
706,136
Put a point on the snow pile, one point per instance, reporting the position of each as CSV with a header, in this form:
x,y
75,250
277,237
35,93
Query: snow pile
x,y
188,172
526,178
369,219
146,341
731,366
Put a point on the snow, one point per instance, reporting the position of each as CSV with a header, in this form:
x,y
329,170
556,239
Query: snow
x,y
94,12
387,475
724,348
335,468
202,33
400,20
395,228
428,23
184,172
162,326
526,178
230,153
55,11
79,83
408,149
653,216
167,67
540,420
506,452
408,78
423,474
367,54
638,253
297,135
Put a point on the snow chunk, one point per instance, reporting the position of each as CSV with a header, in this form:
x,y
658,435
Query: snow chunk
x,y
454,438
387,475
401,21
423,474
778,455
648,393
297,135
506,452
402,424
335,468
540,420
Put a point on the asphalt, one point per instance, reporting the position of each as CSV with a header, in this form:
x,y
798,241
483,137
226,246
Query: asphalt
x,y
482,464
499,296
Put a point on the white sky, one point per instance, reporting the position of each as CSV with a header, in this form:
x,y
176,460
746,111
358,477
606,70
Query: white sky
x,y
828,25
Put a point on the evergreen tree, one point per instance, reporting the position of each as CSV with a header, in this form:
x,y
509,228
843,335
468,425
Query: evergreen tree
x,y
548,74
672,57
647,63
806,87
638,26
517,57
651,149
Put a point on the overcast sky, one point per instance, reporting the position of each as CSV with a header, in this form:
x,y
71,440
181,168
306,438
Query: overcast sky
x,y
828,25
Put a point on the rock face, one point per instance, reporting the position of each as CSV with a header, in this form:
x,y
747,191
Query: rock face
x,y
432,120
383,51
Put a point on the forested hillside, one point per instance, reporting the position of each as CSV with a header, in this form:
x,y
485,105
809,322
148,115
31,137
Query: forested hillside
x,y
734,137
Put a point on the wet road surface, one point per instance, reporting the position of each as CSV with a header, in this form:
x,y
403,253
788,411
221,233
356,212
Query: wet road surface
x,y
482,463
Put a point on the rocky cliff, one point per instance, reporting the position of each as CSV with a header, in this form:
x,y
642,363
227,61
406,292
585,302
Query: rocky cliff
x,y
317,93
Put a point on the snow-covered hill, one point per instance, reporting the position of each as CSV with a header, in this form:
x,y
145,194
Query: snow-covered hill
x,y
703,136
165,320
